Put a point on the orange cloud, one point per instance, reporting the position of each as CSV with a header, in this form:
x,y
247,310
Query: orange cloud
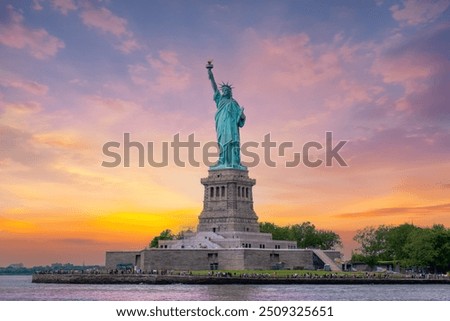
x,y
76,238
141,225
60,140
16,226
398,211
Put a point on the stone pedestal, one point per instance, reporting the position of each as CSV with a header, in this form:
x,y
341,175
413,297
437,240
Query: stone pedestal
x,y
228,202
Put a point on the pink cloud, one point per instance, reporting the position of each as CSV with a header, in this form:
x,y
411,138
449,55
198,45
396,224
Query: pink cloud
x,y
128,45
298,62
415,12
421,66
413,62
64,6
110,111
38,42
37,5
351,92
164,73
113,104
304,78
104,20
17,145
26,107
107,22
294,64
431,104
29,86
408,69
399,148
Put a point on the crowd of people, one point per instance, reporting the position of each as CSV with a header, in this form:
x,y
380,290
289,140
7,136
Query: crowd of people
x,y
274,274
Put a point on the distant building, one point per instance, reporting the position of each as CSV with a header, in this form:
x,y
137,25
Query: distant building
x,y
16,266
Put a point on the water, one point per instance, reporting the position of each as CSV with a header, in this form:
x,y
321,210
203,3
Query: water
x,y
21,288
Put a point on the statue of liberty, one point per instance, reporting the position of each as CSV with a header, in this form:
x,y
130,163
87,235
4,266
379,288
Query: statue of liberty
x,y
229,118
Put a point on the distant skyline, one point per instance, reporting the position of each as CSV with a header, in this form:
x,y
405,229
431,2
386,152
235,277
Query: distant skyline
x,y
75,74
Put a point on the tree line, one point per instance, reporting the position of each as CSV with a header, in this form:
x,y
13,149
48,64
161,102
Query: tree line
x,y
410,246
305,234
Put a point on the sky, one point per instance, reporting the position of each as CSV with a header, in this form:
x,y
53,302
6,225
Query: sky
x,y
77,74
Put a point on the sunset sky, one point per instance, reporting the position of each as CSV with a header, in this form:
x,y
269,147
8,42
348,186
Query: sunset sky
x,y
75,74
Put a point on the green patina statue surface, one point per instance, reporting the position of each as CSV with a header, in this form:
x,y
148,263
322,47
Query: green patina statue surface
x,y
229,118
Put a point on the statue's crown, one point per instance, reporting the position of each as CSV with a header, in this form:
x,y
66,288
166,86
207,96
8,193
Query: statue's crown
x,y
223,85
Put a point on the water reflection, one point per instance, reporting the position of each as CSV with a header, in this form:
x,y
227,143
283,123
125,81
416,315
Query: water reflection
x,y
21,288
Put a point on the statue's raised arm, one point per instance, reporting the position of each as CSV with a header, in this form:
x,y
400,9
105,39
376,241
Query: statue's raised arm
x,y
210,66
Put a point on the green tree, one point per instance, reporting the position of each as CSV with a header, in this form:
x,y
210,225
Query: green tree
x,y
420,249
411,246
164,235
429,248
306,235
358,257
441,242
372,244
328,240
396,239
278,232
